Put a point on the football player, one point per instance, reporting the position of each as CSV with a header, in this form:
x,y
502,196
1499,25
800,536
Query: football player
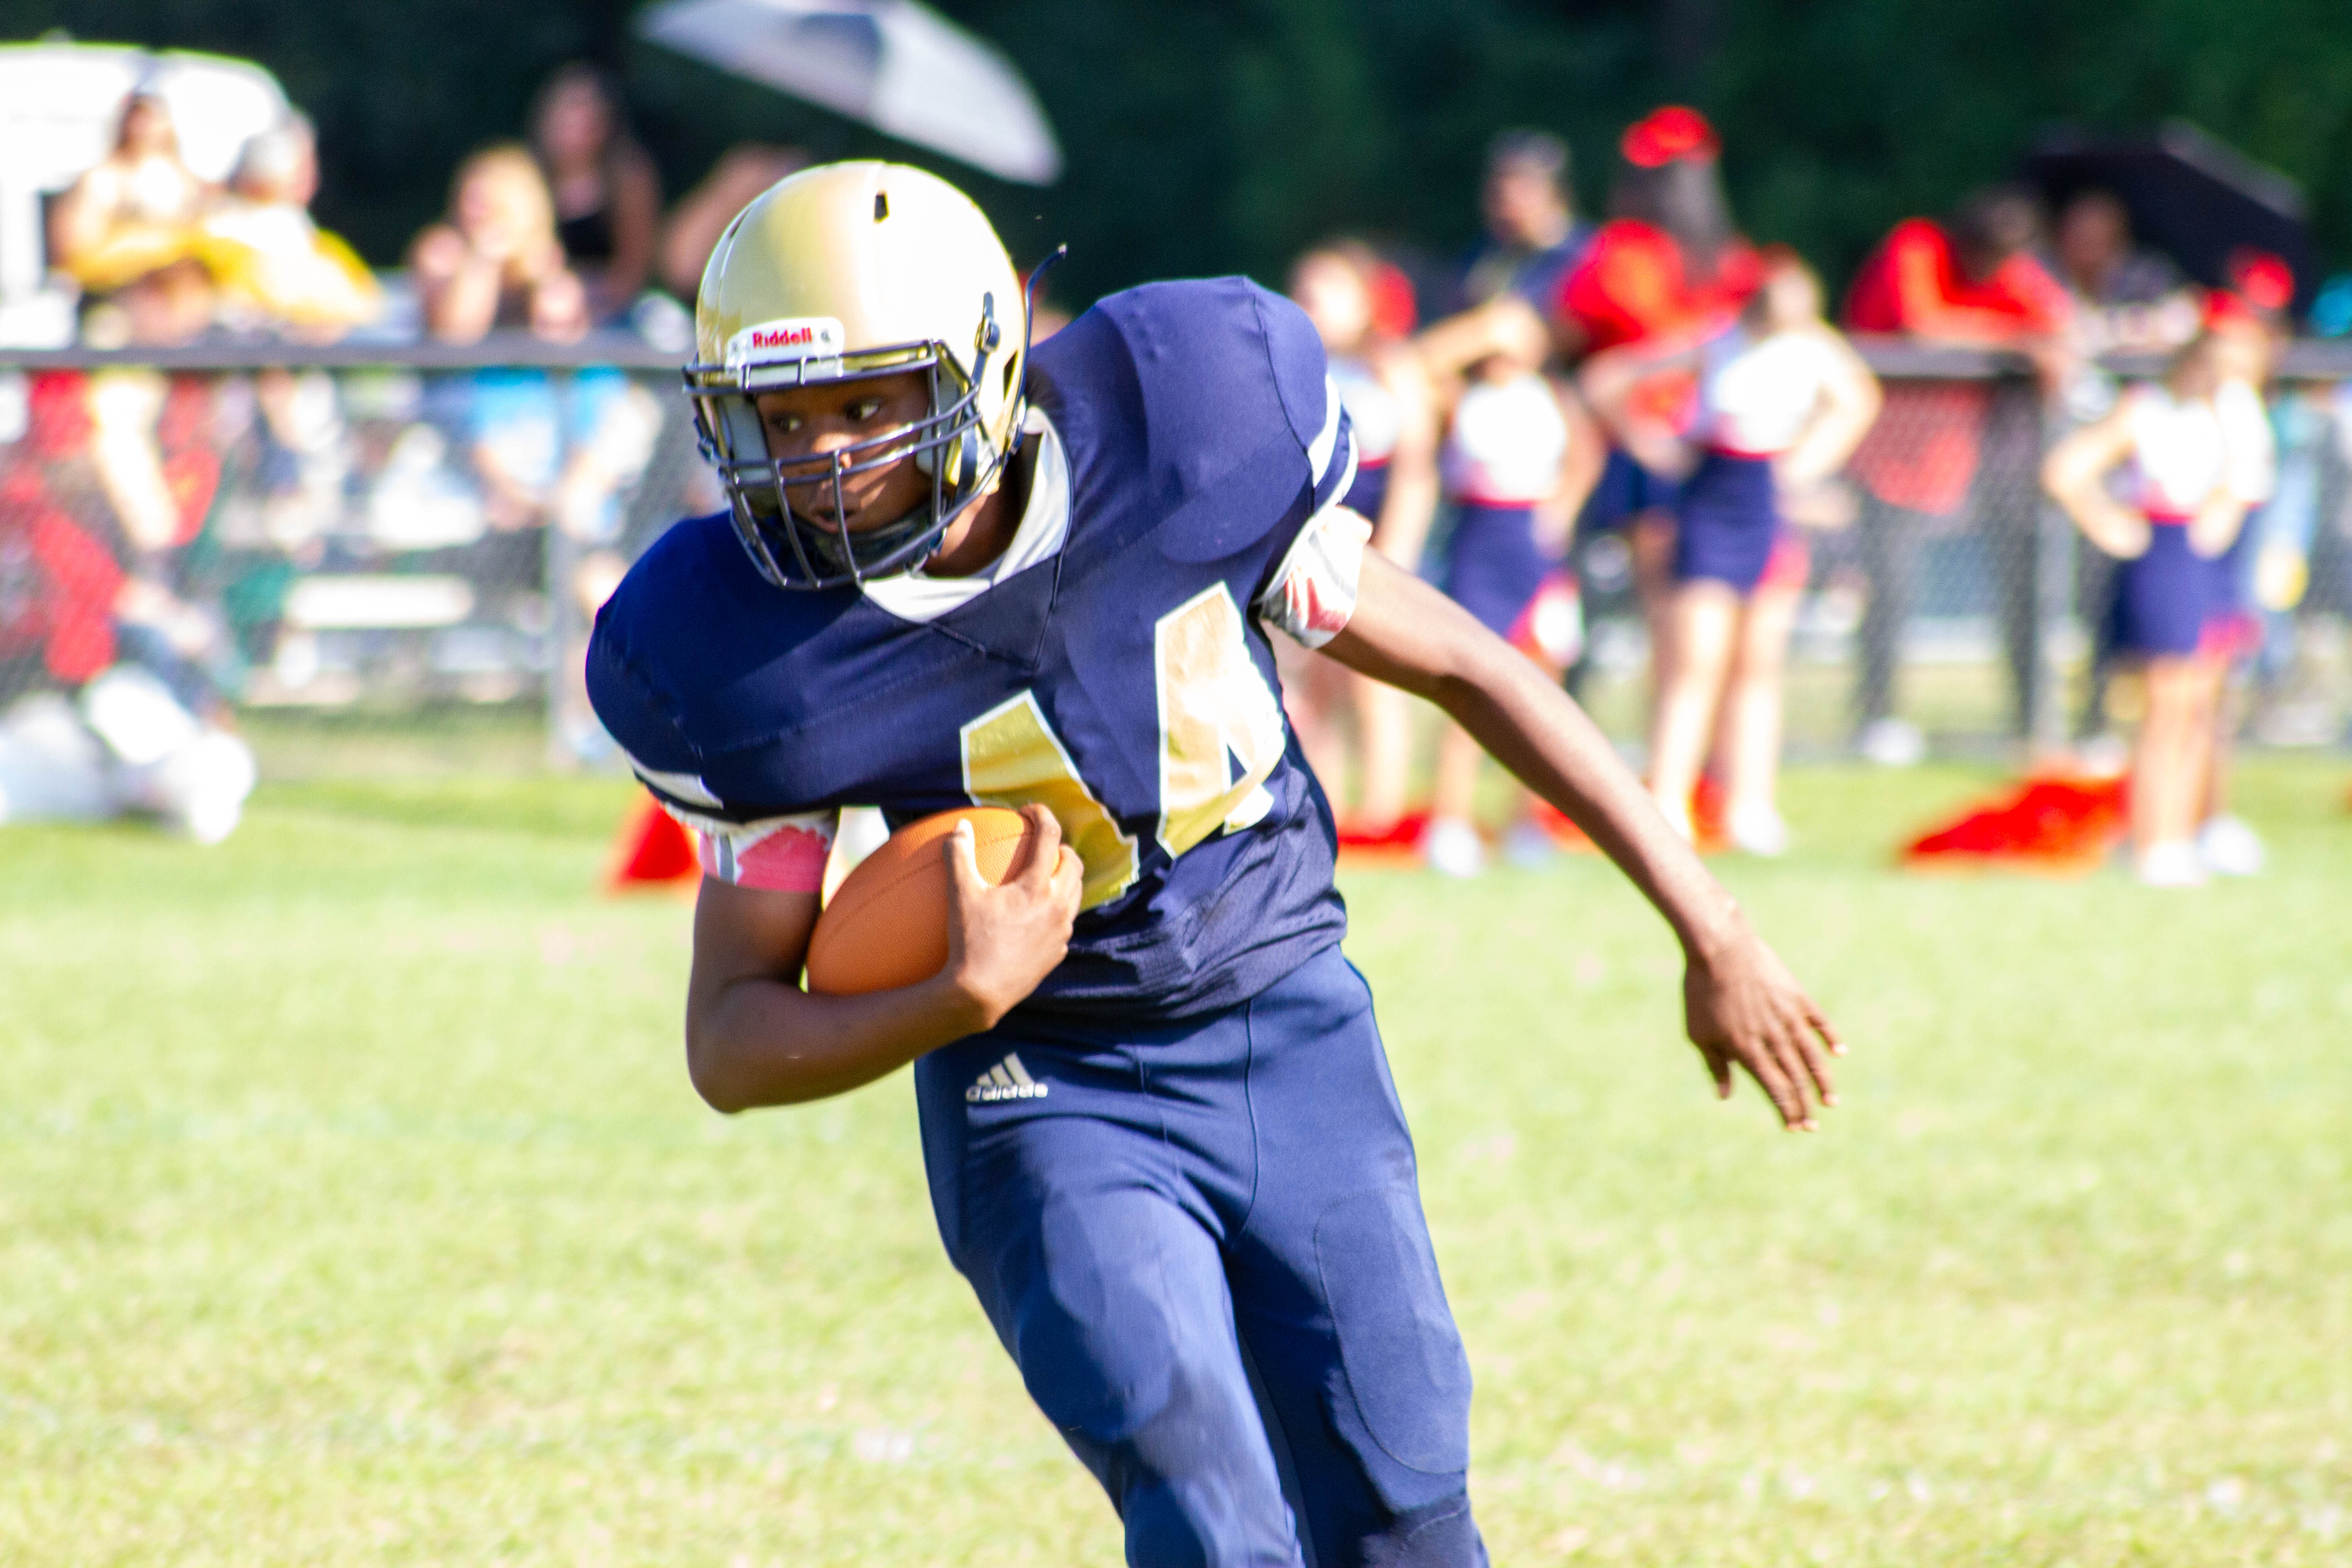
x,y
1161,1138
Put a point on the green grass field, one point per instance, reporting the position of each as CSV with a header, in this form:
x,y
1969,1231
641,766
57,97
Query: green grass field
x,y
354,1208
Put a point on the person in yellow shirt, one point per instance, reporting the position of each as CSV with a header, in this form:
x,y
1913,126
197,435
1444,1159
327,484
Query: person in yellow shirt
x,y
273,265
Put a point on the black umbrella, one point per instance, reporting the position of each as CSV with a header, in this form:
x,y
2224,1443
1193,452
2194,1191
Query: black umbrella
x,y
2200,203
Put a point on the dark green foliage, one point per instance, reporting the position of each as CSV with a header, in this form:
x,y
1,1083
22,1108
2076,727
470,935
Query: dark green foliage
x,y
1221,136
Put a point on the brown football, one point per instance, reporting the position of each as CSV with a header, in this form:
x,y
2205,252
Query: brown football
x,y
886,925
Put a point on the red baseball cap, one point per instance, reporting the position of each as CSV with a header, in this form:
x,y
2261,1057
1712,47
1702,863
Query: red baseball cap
x,y
2265,280
1667,134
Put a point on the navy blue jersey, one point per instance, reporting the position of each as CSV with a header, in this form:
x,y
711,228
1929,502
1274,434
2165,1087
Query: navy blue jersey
x,y
1190,449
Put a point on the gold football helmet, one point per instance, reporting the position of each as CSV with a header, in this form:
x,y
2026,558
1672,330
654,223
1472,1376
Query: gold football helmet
x,y
846,270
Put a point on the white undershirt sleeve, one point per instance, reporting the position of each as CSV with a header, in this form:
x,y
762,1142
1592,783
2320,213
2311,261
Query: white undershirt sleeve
x,y
1313,592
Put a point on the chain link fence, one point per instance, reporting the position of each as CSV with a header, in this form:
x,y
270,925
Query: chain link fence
x,y
341,543
334,545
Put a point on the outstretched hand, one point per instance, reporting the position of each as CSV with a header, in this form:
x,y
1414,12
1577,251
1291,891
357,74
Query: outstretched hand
x,y
1004,939
1741,1006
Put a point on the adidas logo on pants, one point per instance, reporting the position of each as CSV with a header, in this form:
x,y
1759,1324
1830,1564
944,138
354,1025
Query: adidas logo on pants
x,y
1008,1079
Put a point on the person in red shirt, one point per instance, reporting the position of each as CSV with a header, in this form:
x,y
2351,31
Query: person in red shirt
x,y
1670,263
1968,280
1669,260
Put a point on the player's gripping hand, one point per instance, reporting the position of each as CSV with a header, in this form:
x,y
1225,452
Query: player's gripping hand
x,y
1742,1005
1004,939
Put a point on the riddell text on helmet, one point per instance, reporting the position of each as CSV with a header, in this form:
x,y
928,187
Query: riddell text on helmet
x,y
809,337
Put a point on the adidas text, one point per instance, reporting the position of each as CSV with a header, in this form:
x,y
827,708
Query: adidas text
x,y
1008,1079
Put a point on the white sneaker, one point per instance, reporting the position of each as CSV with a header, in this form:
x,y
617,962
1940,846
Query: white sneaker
x,y
2173,865
1451,847
1757,828
1892,743
1529,847
2229,847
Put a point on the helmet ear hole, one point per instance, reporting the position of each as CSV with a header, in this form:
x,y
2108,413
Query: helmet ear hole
x,y
746,440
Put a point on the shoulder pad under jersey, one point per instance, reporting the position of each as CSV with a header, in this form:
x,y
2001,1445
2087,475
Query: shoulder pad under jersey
x,y
1237,423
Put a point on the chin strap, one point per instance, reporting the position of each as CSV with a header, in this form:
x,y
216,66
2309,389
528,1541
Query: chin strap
x,y
825,544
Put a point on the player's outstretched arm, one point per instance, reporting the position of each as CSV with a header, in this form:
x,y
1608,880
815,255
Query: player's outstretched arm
x,y
1740,1003
754,1037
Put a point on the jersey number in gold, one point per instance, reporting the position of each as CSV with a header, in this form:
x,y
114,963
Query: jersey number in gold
x,y
1220,734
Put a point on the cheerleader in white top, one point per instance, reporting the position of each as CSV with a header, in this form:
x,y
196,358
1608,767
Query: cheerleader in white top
x,y
1394,422
2164,483
1782,401
1517,462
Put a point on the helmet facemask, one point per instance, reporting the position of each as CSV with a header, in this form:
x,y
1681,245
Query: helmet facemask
x,y
793,546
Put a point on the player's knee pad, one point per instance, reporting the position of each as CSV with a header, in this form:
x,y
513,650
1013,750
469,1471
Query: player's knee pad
x,y
1442,1535
1407,1376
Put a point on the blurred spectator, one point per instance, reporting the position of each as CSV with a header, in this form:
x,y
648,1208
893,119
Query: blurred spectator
x,y
1389,410
123,746
58,576
1384,390
273,265
1670,264
1968,279
606,192
127,233
542,446
1781,402
1670,259
2194,453
2261,575
1532,233
120,718
130,230
703,214
2126,297
495,261
1518,463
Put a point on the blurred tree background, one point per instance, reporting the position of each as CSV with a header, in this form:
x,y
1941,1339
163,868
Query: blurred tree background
x,y
1221,135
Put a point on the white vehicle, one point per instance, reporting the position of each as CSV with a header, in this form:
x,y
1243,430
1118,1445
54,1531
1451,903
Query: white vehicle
x,y
59,104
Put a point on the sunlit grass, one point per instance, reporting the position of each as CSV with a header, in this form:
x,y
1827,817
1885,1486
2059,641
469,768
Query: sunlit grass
x,y
355,1207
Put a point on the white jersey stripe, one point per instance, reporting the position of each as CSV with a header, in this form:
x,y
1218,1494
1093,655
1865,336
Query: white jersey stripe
x,y
686,787
1319,454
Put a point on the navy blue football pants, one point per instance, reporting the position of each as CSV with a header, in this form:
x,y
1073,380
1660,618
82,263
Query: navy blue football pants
x,y
1202,1243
